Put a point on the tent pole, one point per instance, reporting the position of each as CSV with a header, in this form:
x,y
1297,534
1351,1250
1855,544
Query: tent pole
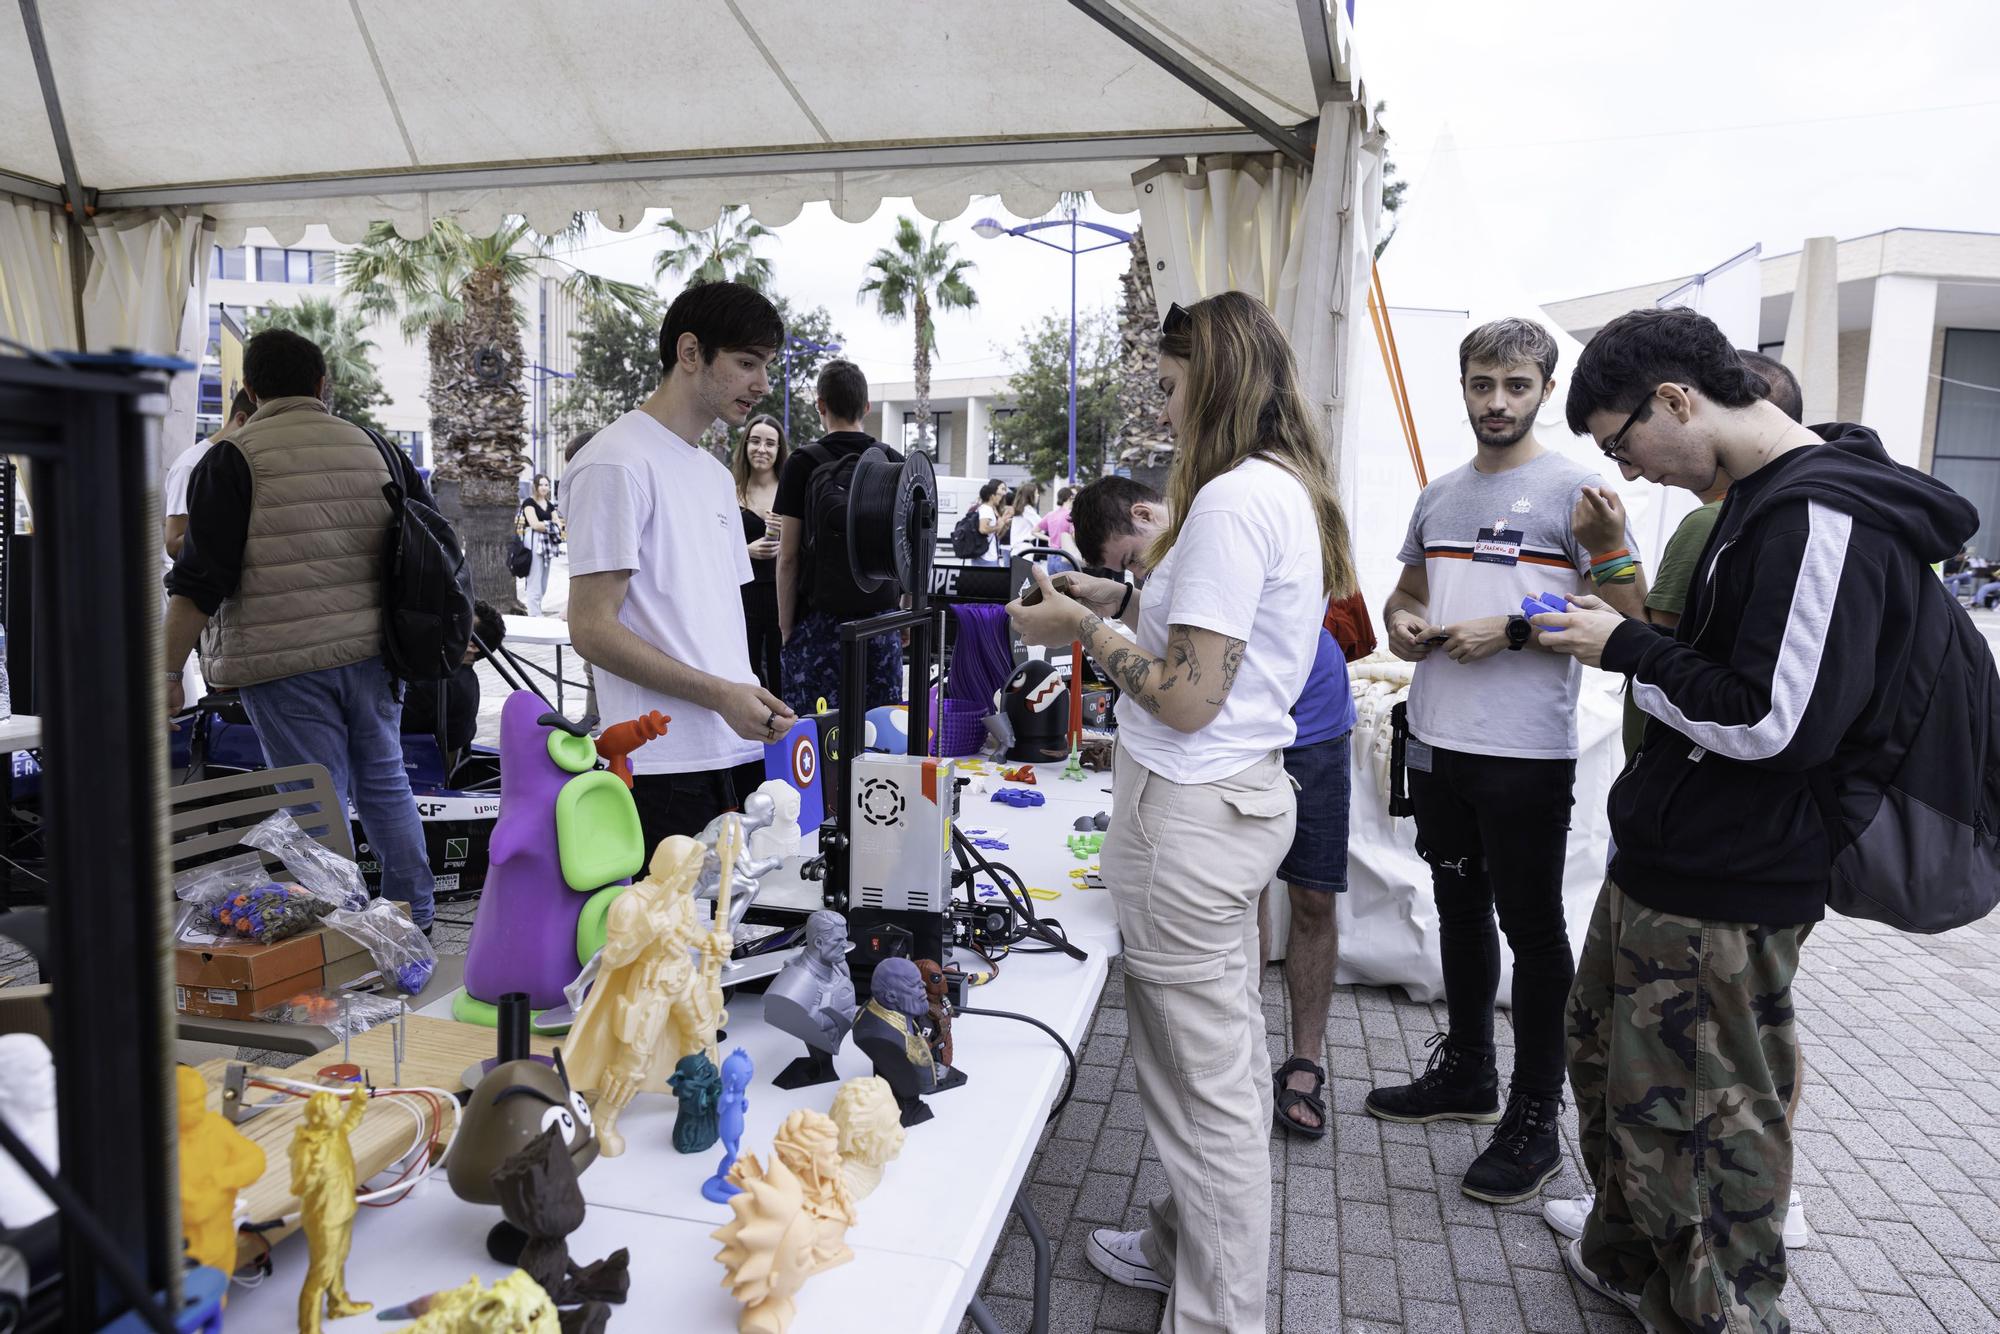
x,y
1385,339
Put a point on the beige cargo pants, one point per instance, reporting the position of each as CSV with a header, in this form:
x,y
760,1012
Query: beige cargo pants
x,y
1186,865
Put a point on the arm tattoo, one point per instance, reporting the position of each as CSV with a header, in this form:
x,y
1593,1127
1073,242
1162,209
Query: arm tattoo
x,y
1232,658
1181,658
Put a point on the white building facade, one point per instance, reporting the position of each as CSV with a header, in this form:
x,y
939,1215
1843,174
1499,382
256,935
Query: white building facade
x,y
1917,349
249,279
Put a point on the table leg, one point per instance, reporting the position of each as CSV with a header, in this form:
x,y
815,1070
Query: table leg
x,y
1044,1259
981,1318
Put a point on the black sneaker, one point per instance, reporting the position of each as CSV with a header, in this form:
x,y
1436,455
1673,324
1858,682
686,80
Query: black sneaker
x,y
1525,1153
1456,1085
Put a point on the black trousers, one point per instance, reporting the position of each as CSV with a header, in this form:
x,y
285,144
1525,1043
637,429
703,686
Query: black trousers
x,y
760,616
684,803
1494,830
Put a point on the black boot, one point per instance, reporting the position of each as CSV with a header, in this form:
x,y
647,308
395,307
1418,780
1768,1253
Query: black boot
x,y
1526,1151
1457,1085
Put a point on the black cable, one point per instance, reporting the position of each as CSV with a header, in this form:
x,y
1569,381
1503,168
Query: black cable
x,y
1069,1085
1017,895
116,1265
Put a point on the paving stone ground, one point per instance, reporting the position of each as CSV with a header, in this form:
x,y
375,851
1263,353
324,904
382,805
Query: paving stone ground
x,y
1898,1157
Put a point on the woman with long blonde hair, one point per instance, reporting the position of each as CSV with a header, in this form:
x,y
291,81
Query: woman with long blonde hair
x,y
1252,544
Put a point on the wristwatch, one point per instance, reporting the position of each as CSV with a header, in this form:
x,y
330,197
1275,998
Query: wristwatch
x,y
1518,631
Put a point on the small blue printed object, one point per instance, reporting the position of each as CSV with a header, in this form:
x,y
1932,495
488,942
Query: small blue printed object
x,y
1018,796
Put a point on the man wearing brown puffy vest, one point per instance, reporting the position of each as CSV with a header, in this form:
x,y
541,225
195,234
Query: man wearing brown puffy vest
x,y
280,578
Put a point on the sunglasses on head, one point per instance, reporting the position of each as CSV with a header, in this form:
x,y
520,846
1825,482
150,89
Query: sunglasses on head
x,y
1177,320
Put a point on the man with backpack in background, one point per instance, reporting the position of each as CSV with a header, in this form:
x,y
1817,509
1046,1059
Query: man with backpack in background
x,y
816,588
281,577
1811,744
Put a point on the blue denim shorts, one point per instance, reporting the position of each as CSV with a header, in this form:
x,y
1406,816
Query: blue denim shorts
x,y
1318,859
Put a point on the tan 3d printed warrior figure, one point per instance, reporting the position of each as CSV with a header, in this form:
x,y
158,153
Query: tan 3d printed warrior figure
x,y
650,1005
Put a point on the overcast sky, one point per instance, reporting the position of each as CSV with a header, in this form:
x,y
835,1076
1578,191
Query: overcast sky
x,y
1628,143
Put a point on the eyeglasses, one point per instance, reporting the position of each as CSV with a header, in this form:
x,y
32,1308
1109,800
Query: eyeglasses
x,y
1614,445
1176,322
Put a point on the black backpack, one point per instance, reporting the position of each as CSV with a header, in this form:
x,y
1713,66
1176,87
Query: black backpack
x,y
831,587
426,587
967,542
1916,828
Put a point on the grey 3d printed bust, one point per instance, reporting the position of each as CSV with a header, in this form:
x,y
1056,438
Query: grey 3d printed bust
x,y
813,1000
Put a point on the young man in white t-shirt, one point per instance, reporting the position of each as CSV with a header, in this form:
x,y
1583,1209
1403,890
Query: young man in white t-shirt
x,y
1492,746
654,601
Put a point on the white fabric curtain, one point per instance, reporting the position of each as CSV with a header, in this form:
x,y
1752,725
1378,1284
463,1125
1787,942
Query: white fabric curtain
x,y
1293,239
147,289
35,305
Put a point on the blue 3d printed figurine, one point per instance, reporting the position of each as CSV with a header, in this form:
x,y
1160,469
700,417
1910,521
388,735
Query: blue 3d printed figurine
x,y
736,1072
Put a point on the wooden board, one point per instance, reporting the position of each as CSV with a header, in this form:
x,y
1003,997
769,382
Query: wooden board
x,y
436,1053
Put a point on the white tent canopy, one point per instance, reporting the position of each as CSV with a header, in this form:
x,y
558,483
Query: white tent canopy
x,y
353,111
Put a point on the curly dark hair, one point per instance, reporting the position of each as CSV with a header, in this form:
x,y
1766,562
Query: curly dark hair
x,y
1643,349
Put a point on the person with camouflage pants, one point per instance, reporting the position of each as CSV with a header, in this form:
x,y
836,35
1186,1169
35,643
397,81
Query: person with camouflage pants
x,y
1783,681
1682,1058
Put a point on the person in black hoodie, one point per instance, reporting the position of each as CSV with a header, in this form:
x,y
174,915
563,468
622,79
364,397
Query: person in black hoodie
x,y
1781,677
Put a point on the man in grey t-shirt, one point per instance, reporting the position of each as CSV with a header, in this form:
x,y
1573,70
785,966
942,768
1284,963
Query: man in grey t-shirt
x,y
1492,747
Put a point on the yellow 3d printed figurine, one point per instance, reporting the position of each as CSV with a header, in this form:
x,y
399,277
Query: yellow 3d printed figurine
x,y
323,1179
650,1005
216,1162
515,1304
790,1222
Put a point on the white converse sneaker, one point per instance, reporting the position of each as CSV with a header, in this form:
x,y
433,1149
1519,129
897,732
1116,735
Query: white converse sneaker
x,y
1573,1258
1119,1257
1566,1216
1797,1234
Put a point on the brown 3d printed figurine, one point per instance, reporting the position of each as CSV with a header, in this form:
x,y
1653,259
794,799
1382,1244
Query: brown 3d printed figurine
x,y
542,1204
323,1179
937,992
650,1005
216,1162
870,1134
790,1222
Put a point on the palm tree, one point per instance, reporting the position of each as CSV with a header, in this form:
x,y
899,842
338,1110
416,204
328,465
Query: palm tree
x,y
725,252
456,291
913,277
342,340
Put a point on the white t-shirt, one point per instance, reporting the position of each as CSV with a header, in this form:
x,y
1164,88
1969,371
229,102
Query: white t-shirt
x,y
1025,530
642,499
179,473
175,501
989,517
1246,565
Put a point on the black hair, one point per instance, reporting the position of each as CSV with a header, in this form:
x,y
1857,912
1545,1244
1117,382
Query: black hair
x,y
1063,494
278,363
722,317
844,390
1644,349
1103,510
1782,390
488,624
576,442
986,491
242,405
